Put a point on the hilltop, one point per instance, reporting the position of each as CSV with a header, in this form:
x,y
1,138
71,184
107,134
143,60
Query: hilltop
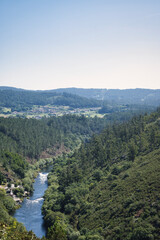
x,y
125,96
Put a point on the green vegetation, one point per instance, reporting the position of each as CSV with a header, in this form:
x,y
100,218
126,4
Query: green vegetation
x,y
29,137
7,206
48,110
89,102
15,231
109,188
15,162
138,96
45,138
22,100
10,229
102,186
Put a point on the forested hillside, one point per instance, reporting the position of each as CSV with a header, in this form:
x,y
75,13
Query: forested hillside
x,y
125,96
22,100
109,188
88,102
106,189
32,139
29,137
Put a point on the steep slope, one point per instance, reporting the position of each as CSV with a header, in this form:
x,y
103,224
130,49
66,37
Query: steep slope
x,y
109,189
30,137
126,206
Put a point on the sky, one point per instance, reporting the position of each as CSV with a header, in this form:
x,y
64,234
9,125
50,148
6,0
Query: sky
x,y
49,44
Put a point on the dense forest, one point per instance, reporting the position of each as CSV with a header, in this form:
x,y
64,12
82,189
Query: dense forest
x,y
29,137
109,188
105,178
22,99
31,140
113,100
125,96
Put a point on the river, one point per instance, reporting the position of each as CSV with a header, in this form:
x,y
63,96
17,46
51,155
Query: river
x,y
30,212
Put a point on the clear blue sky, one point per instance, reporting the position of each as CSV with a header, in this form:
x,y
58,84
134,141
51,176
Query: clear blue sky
x,y
47,44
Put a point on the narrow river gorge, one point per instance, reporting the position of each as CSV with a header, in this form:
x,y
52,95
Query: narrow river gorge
x,y
30,212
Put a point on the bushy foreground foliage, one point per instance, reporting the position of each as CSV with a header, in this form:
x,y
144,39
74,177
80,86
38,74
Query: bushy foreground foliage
x,y
14,231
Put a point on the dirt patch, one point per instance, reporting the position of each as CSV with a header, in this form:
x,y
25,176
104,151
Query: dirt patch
x,y
54,151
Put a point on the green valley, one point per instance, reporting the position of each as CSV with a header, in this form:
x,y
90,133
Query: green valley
x,y
79,120
105,178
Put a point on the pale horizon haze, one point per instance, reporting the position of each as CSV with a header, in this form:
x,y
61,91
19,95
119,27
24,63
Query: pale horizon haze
x,y
49,44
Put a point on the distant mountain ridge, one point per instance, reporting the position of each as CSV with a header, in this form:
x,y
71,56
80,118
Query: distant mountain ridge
x,y
112,96
130,96
22,99
11,88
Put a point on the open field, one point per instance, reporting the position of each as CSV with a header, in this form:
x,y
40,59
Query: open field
x,y
47,111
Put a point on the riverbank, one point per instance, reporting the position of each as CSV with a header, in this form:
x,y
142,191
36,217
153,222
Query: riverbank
x,y
23,188
30,211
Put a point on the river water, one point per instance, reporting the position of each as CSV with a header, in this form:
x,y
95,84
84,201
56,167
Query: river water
x,y
30,212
